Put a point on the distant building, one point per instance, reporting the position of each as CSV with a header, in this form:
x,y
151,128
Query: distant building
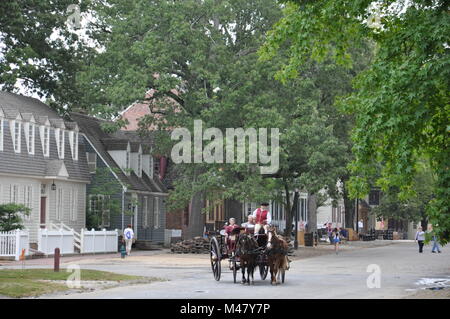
x,y
130,181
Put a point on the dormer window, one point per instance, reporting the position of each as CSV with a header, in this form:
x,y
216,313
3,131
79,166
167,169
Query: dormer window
x,y
139,162
29,135
139,165
45,140
73,140
150,169
76,146
16,136
59,136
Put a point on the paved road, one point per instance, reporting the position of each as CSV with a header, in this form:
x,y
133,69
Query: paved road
x,y
328,276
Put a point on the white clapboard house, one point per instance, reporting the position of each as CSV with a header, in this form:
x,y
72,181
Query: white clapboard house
x,y
42,164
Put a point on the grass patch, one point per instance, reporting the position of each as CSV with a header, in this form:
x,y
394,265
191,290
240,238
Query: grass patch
x,y
18,283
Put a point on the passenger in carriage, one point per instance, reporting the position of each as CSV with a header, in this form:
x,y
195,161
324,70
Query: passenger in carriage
x,y
230,237
249,225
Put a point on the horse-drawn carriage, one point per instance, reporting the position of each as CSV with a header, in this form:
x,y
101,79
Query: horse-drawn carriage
x,y
247,252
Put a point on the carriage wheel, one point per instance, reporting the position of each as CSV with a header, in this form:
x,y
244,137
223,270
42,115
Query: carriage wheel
x,y
263,271
215,256
234,269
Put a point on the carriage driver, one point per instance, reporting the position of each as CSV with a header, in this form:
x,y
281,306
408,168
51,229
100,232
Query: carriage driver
x,y
262,218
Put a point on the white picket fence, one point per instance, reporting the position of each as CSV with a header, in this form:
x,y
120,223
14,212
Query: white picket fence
x,y
48,240
12,243
93,241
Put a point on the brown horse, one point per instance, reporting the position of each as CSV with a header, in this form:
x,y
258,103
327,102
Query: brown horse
x,y
247,250
277,250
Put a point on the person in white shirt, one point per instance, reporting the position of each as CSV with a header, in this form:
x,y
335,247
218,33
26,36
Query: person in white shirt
x,y
420,238
128,235
262,217
249,225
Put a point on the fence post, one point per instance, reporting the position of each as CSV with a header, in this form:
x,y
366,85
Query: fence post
x,y
104,240
116,245
93,240
17,248
81,240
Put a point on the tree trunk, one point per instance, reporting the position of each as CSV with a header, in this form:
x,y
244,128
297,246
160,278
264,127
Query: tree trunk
x,y
349,205
424,221
287,209
312,213
196,217
290,218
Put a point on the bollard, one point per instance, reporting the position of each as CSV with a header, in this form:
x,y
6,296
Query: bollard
x,y
56,264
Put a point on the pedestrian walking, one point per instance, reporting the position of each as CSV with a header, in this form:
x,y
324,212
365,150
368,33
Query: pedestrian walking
x,y
420,238
336,239
329,231
435,242
128,235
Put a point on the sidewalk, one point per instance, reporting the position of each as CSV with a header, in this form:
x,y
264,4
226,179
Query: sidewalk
x,y
48,261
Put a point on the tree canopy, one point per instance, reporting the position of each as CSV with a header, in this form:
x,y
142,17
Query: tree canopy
x,y
401,102
200,59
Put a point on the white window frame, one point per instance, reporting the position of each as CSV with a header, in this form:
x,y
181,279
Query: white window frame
x,y
59,137
45,140
16,135
101,200
76,146
91,162
73,141
30,138
14,194
139,165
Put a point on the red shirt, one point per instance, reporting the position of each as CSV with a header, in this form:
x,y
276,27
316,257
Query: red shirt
x,y
229,228
261,216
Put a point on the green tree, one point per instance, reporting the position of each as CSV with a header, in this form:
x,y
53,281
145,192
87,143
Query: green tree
x,y
401,102
39,50
207,50
10,216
